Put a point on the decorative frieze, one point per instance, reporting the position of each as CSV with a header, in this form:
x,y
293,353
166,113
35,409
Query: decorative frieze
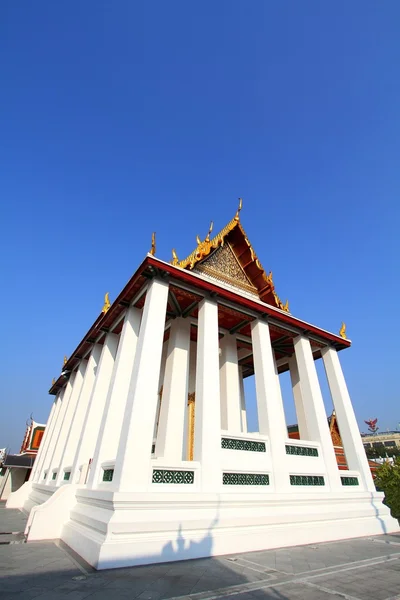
x,y
314,480
245,479
238,444
349,480
172,477
301,450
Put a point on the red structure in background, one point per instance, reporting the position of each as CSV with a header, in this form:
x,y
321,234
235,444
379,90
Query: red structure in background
x,y
33,436
293,432
372,425
15,469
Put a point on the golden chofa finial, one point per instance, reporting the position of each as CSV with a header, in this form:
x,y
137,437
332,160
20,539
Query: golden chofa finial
x,y
107,303
65,360
342,331
198,240
153,243
239,209
53,381
209,231
175,259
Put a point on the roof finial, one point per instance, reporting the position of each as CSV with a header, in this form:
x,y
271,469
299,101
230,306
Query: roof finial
x,y
153,243
65,360
239,209
209,231
175,259
342,331
107,303
53,381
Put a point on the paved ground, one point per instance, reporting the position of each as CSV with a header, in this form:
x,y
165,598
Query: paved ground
x,y
360,569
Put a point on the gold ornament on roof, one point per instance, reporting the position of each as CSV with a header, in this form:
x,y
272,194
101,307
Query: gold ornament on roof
x,y
65,361
209,231
53,381
153,243
175,259
107,303
239,209
204,248
342,331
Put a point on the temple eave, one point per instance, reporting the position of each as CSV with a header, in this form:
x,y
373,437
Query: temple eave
x,y
152,266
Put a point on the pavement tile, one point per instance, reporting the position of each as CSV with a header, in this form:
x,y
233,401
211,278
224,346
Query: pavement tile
x,y
45,571
78,595
105,595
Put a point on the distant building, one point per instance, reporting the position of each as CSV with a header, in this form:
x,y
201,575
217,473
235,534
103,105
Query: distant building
x,y
15,469
388,439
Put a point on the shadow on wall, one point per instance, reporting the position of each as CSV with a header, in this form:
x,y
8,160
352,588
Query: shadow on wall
x,y
182,549
376,509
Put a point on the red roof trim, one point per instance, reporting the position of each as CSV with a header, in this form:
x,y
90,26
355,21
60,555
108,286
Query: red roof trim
x,y
106,320
186,276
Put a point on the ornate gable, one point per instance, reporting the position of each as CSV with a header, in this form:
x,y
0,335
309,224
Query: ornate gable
x,y
223,265
230,257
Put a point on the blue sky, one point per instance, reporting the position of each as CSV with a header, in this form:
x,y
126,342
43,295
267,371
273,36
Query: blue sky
x,y
118,119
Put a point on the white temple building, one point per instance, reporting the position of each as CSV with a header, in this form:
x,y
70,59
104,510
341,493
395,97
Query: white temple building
x,y
147,457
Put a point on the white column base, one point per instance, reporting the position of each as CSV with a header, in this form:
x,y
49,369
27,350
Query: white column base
x,y
118,532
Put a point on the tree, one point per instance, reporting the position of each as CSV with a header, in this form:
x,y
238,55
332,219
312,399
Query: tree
x,y
382,451
388,481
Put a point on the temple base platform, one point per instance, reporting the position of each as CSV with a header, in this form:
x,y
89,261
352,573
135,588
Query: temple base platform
x,y
111,530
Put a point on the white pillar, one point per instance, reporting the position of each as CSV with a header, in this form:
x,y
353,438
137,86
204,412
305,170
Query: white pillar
x,y
278,387
160,387
75,429
132,467
349,432
59,431
314,409
271,416
298,399
69,415
170,443
113,414
44,443
229,385
52,440
242,402
207,437
95,406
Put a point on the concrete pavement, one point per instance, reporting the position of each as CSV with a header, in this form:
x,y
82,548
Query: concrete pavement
x,y
358,569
